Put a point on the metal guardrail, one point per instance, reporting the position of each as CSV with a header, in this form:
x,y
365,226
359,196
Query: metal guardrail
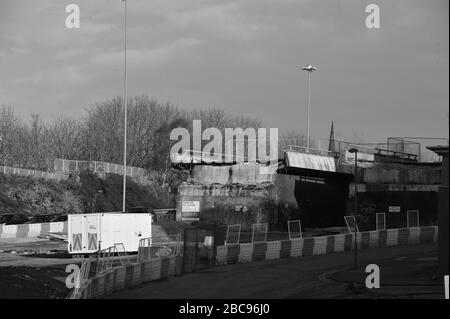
x,y
160,246
65,165
6,170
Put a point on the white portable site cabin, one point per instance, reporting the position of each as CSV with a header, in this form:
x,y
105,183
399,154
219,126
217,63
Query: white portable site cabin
x,y
88,233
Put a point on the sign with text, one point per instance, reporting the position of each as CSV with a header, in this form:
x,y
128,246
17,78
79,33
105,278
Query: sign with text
x,y
362,157
190,211
394,209
310,161
190,206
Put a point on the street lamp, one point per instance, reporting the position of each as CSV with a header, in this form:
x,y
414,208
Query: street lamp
x,y
310,69
355,198
125,116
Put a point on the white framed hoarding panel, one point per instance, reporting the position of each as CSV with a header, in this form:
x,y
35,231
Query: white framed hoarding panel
x,y
351,223
259,233
294,229
380,221
233,234
412,218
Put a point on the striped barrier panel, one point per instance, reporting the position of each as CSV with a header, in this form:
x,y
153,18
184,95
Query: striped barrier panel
x,y
178,265
373,239
131,275
365,240
392,237
135,274
308,246
414,236
232,256
9,231
119,278
349,242
325,244
296,247
221,255
57,227
245,253
427,234
273,250
339,242
320,245
382,238
45,228
259,251
403,236
35,230
129,271
31,230
155,269
109,282
285,248
164,267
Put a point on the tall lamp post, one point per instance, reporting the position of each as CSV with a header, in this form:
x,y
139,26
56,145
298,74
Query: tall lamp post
x,y
125,117
310,69
355,204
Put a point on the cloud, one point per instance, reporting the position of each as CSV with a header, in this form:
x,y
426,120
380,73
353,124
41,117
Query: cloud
x,y
150,57
66,75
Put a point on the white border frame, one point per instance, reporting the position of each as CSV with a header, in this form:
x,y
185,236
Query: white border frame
x,y
289,228
407,217
265,233
239,234
348,227
376,221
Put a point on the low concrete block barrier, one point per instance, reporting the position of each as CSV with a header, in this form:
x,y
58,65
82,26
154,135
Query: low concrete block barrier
x,y
309,246
31,230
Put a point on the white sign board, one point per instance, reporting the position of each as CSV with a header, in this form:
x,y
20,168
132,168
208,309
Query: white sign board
x,y
394,209
190,206
310,161
362,157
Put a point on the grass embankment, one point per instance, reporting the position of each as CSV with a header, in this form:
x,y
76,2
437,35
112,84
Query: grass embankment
x,y
32,196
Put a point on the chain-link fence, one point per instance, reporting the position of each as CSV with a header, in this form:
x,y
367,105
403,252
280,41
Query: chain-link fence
x,y
64,165
36,174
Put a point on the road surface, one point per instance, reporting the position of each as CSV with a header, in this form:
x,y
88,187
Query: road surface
x,y
304,277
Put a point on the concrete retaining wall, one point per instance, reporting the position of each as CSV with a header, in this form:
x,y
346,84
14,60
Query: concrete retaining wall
x,y
58,176
241,253
242,173
128,276
31,230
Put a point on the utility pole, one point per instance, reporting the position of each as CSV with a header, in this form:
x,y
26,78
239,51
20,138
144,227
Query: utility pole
x,y
310,69
125,118
355,204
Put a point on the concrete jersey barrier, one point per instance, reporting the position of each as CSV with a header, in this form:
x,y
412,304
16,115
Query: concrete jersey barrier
x,y
310,246
127,276
31,230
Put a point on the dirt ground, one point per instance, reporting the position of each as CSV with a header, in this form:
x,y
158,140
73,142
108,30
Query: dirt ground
x,y
33,282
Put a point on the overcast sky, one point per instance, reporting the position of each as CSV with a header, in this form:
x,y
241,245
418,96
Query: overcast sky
x,y
243,56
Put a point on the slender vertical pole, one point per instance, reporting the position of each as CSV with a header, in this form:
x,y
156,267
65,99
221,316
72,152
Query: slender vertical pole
x,y
307,111
125,119
356,211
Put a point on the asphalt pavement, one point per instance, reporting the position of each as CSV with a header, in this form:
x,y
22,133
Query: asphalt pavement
x,y
324,276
